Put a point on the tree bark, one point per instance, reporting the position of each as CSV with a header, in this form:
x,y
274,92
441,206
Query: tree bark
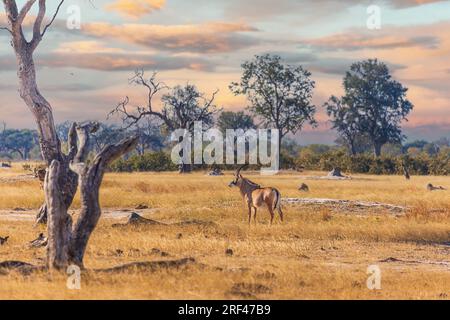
x,y
377,149
67,245
59,221
39,106
68,184
90,181
352,148
185,168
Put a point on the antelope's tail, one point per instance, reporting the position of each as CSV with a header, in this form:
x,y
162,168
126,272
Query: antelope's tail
x,y
277,200
278,204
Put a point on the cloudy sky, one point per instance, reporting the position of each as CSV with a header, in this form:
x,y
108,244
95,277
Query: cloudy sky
x,y
85,72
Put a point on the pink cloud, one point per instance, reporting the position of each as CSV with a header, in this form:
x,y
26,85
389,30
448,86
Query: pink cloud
x,y
135,8
211,37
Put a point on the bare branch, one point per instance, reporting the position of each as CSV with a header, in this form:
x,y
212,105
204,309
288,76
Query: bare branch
x,y
12,15
153,88
24,11
122,110
53,18
112,152
38,24
181,107
7,29
11,10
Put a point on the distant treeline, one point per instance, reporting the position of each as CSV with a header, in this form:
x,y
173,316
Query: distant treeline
x,y
417,164
420,158
23,144
153,152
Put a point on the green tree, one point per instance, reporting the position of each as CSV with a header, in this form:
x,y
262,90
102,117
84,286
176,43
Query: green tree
x,y
374,104
357,145
18,141
344,122
235,120
278,93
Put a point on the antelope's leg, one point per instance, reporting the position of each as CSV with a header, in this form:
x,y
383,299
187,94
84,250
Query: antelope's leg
x,y
281,214
271,213
254,216
249,213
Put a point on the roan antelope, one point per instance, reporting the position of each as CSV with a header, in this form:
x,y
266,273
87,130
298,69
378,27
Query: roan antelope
x,y
256,197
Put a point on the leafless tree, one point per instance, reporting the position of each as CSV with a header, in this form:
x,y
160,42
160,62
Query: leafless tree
x,y
66,244
182,106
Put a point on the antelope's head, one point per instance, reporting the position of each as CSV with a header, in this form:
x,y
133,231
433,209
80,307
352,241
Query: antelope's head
x,y
237,177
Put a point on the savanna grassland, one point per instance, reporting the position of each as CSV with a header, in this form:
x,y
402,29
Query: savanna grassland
x,y
319,252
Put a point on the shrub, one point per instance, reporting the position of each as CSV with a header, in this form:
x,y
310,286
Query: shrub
x,y
421,164
153,161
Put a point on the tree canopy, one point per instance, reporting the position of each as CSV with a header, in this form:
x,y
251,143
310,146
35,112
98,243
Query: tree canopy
x,y
18,141
278,93
235,120
374,105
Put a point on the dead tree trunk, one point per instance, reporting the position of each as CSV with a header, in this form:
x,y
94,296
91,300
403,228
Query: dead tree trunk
x,y
67,179
56,205
67,245
91,177
30,94
59,223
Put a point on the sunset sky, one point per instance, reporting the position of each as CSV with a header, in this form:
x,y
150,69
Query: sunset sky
x,y
84,73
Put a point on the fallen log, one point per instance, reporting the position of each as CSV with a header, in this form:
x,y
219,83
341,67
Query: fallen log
x,y
149,266
19,266
152,266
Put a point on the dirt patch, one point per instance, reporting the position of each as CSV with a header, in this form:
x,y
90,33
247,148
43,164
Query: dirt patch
x,y
437,263
348,205
30,215
18,178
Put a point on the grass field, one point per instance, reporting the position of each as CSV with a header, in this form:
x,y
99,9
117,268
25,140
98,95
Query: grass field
x,y
317,253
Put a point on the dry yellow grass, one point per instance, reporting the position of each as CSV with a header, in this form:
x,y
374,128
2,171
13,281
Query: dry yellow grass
x,y
316,254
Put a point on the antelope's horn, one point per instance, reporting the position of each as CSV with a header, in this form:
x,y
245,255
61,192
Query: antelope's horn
x,y
238,171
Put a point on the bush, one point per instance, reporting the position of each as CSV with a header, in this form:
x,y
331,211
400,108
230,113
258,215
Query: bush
x,y
153,161
421,164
